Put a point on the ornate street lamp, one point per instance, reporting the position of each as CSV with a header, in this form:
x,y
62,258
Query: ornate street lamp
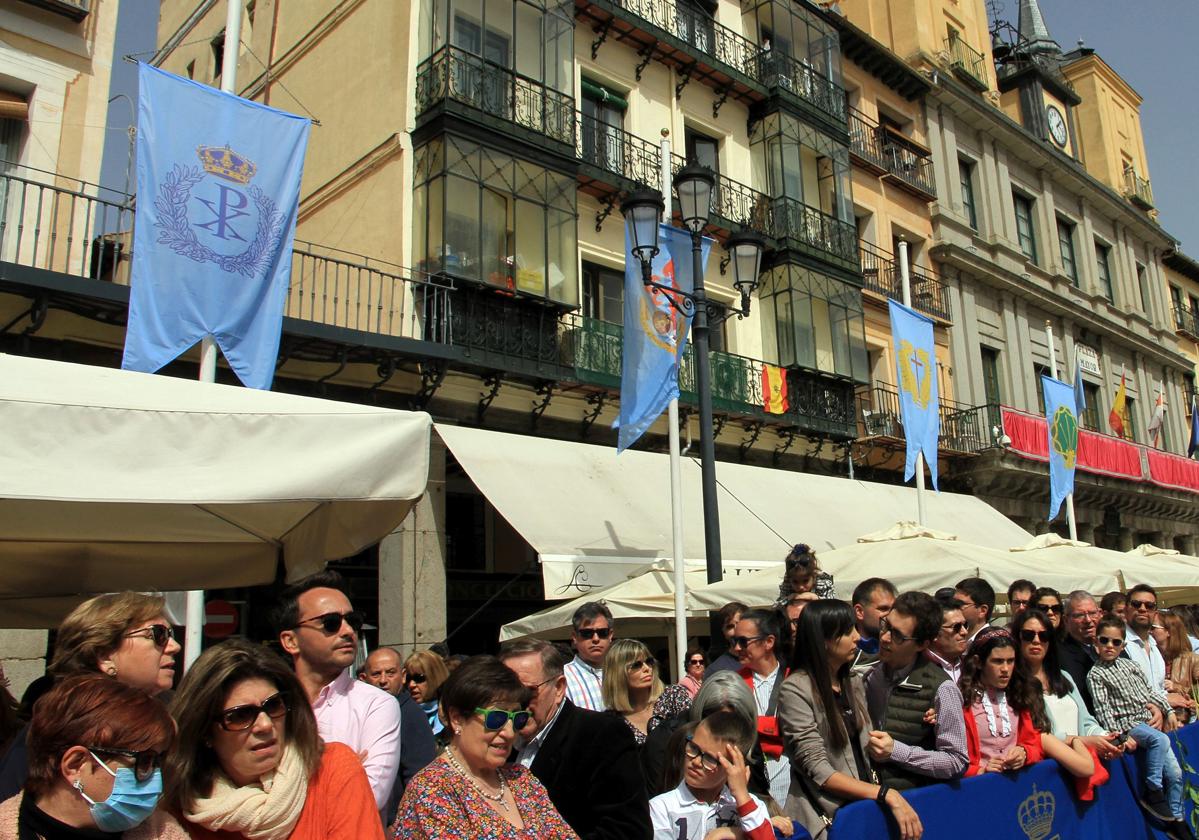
x,y
694,186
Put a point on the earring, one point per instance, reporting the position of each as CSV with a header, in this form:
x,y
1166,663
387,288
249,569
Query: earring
x,y
111,670
457,730
79,785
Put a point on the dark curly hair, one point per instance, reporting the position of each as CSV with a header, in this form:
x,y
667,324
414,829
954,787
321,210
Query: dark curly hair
x,y
1023,693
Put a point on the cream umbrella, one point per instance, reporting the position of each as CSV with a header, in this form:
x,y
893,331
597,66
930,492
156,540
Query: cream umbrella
x,y
1174,575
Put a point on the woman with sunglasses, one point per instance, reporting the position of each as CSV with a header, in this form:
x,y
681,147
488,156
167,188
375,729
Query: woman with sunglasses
x,y
249,761
471,791
123,635
95,759
1049,602
631,685
1037,659
424,674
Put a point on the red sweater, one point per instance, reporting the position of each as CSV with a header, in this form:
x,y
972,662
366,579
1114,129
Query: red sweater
x,y
1027,736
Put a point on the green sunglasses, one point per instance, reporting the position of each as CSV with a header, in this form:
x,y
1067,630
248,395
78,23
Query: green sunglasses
x,y
495,719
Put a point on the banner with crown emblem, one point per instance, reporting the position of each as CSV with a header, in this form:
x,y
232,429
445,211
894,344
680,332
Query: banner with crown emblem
x,y
218,186
919,400
1061,415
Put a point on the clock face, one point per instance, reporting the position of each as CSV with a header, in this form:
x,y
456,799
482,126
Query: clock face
x,y
1057,126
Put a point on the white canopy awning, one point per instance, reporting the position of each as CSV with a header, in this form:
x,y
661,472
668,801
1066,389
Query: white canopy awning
x,y
594,517
113,480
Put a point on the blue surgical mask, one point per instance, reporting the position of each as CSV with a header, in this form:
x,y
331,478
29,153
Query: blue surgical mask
x,y
130,803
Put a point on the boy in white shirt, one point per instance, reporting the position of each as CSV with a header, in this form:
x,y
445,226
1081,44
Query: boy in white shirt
x,y
713,801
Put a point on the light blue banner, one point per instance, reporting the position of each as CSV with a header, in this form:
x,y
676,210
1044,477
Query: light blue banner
x,y
916,373
218,185
655,333
1061,416
1080,393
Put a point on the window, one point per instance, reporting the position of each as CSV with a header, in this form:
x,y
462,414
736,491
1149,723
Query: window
x,y
1143,287
1102,261
702,149
1090,414
218,55
966,173
603,293
483,215
1038,371
1130,418
694,25
814,321
191,69
1025,229
10,144
1194,305
1065,244
990,363
603,116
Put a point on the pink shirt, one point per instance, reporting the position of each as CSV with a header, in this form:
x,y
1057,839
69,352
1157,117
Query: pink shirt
x,y
367,720
994,746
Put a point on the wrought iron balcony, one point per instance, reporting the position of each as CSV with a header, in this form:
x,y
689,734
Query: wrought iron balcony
x,y
1137,189
964,428
736,204
873,146
455,75
969,64
815,229
613,154
1186,320
794,77
880,273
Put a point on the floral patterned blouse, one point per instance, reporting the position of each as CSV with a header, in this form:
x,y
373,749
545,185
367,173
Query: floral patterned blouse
x,y
440,804
674,702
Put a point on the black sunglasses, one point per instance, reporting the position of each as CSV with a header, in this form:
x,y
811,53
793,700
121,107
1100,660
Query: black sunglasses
x,y
240,718
161,634
495,719
1056,609
1027,635
1143,605
698,661
594,632
637,664
1104,641
743,641
145,762
331,622
884,627
954,629
416,678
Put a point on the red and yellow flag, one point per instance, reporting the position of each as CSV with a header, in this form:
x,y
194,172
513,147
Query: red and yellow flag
x,y
774,390
1115,417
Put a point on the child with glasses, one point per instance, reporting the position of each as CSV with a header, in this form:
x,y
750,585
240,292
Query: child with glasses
x,y
714,793
1122,695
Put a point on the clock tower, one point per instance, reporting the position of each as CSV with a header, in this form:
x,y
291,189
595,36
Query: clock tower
x,y
1033,90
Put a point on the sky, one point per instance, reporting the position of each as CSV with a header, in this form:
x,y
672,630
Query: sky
x,y
1151,44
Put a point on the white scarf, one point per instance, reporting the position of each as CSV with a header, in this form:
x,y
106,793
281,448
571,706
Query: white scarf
x,y
266,810
1006,725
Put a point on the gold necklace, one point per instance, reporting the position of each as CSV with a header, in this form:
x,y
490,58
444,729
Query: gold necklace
x,y
470,777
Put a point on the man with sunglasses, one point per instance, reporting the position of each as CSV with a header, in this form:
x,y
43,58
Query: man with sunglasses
x,y
586,760
591,636
950,644
1140,614
910,750
318,628
978,603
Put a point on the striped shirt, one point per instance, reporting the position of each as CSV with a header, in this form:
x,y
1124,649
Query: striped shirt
x,y
583,684
1122,693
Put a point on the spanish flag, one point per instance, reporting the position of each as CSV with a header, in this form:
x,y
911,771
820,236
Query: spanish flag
x,y
1115,417
774,390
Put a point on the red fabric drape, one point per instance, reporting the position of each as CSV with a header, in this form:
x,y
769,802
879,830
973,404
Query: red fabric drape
x,y
1098,454
1173,471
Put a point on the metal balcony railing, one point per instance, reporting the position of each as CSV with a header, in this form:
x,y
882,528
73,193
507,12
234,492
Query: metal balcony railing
x,y
778,71
697,29
964,428
617,152
795,220
970,64
737,204
1186,320
880,273
1137,189
463,77
870,142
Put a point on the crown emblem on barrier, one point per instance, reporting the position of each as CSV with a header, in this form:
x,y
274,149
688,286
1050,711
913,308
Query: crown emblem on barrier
x,y
226,163
1036,814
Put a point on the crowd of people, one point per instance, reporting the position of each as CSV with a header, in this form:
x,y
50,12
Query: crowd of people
x,y
799,709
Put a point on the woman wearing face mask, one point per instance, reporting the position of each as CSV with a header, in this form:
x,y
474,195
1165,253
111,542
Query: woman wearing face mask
x,y
123,635
249,762
424,673
95,753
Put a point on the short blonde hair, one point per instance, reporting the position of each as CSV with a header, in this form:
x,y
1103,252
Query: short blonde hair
x,y
433,667
97,627
615,688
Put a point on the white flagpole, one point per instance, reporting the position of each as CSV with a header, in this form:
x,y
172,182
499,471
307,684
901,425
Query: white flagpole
x,y
676,478
1053,372
906,280
193,634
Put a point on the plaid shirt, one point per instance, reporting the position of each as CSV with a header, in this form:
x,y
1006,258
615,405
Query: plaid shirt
x,y
584,684
1122,694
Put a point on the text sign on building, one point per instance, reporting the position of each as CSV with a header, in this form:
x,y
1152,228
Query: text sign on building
x,y
1088,359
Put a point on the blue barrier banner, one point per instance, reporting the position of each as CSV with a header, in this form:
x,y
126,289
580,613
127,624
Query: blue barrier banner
x,y
1035,804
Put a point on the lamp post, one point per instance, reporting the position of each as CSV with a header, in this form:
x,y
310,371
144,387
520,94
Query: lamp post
x,y
694,186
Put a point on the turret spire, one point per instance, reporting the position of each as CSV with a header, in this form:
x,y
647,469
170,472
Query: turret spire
x,y
1034,34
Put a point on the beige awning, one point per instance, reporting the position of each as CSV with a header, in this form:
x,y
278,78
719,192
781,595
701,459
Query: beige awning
x,y
595,518
116,480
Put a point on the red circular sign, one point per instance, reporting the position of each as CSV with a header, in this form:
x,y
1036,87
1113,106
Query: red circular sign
x,y
220,619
